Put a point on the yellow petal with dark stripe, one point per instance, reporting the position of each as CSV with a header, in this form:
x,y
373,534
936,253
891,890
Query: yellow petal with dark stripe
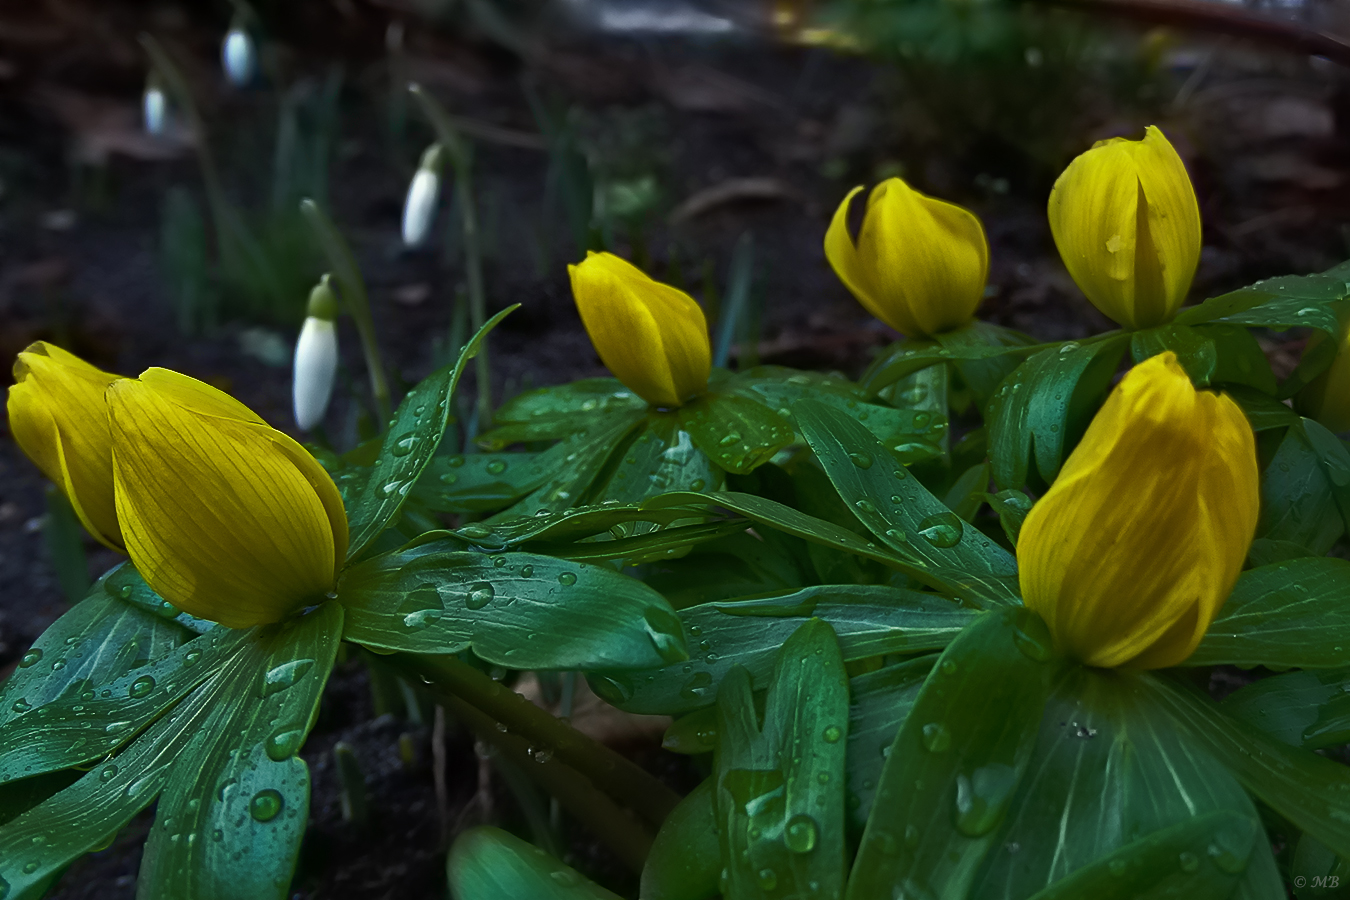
x,y
59,419
1131,553
224,516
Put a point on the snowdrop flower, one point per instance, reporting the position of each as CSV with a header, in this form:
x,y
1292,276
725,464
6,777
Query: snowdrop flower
x,y
155,107
239,57
420,207
316,357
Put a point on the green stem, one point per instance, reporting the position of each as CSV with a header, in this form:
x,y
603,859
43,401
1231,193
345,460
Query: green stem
x,y
624,781
461,158
628,838
353,288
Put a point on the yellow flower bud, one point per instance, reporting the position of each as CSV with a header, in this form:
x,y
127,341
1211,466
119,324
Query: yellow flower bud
x,y
1327,397
225,517
59,419
1127,225
919,264
653,337
1131,553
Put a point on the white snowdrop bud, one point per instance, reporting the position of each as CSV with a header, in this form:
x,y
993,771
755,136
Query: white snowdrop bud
x,y
316,357
155,106
239,57
420,207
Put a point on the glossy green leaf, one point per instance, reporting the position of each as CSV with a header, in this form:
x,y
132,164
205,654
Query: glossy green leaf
x,y
778,388
484,481
487,863
1308,709
1309,790
42,841
686,861
904,358
736,565
879,703
1290,301
232,813
568,525
1294,613
589,454
418,425
1263,411
870,620
779,792
738,434
1298,496
787,519
983,375
927,394
951,556
1201,859
86,725
1110,769
1194,350
1012,507
1241,361
644,547
956,762
555,412
1040,408
519,610
662,458
97,640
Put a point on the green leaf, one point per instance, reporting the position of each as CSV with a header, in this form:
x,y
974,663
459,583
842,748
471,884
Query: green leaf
x,y
1309,790
1110,769
662,458
1290,301
1318,874
1308,709
1298,496
1294,613
645,547
947,554
1045,403
1264,412
904,358
778,388
880,701
514,532
418,425
1241,361
956,762
84,726
557,412
484,481
738,434
589,454
736,565
779,793
487,863
1201,859
1194,350
685,861
785,518
870,620
96,641
519,610
42,841
232,812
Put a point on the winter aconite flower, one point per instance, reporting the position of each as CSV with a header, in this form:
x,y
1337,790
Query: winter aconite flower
x,y
653,337
224,516
919,264
1127,225
59,419
316,357
1131,553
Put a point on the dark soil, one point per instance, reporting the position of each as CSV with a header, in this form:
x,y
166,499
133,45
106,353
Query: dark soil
x,y
1266,136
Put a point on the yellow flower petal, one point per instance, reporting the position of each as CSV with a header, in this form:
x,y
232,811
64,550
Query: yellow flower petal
x,y
1131,553
919,264
225,517
653,337
1126,222
58,417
